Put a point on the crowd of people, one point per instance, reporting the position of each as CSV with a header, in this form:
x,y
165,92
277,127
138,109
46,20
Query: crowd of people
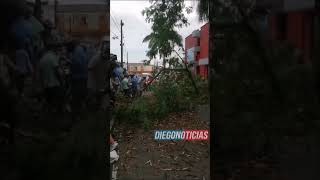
x,y
64,75
130,85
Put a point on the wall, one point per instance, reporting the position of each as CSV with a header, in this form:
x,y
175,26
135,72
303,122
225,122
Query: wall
x,y
204,41
140,68
204,49
201,59
298,30
83,21
190,44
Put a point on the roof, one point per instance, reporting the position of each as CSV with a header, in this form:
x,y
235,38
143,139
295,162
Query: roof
x,y
138,64
190,35
135,64
206,24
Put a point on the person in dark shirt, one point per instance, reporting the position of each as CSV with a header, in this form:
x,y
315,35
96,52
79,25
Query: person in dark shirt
x,y
79,76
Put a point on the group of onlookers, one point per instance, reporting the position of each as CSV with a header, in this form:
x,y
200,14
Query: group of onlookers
x,y
37,64
78,74
130,85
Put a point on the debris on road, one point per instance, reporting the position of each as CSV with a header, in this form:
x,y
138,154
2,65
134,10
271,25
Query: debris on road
x,y
113,156
150,157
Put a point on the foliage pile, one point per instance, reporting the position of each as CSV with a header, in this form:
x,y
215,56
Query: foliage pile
x,y
172,93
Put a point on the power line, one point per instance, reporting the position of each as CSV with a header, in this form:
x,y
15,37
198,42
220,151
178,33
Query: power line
x,y
114,33
115,22
117,26
115,16
115,36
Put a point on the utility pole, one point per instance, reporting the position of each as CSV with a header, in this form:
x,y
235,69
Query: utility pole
x,y
121,43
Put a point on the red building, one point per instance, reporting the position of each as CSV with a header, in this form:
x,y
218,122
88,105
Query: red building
x,y
296,22
196,46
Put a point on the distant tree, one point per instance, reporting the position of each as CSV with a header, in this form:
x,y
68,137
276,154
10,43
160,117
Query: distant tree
x,y
203,9
165,16
145,62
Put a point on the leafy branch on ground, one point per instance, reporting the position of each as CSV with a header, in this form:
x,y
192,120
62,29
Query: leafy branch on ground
x,y
172,93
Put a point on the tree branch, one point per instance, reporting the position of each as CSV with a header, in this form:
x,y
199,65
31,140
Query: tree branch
x,y
189,73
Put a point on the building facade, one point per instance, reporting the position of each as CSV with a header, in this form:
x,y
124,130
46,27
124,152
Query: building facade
x,y
298,23
83,19
196,47
140,68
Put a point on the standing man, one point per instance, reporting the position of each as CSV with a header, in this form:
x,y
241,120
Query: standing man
x,y
79,76
23,67
134,82
125,85
97,75
50,76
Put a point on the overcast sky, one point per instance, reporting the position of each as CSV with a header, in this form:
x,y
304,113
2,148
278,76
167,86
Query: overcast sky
x,y
135,28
